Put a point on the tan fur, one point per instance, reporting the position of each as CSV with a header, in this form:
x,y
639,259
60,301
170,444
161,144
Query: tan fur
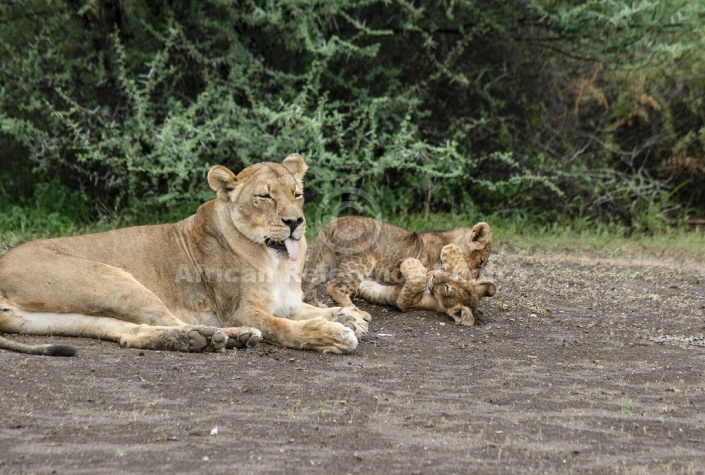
x,y
352,249
449,291
205,283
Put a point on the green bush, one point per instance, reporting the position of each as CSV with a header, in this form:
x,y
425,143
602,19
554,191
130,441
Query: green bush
x,y
535,106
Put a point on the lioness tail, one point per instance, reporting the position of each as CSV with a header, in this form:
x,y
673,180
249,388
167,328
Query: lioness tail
x,y
47,350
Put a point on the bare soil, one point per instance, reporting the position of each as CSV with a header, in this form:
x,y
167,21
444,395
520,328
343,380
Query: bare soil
x,y
578,365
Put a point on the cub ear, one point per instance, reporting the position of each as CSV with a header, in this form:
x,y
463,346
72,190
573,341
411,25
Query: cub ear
x,y
222,181
480,235
485,288
296,165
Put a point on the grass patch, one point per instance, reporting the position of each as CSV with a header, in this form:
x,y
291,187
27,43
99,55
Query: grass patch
x,y
523,234
56,211
572,236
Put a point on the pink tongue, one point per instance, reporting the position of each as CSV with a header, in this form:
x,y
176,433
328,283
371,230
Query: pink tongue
x,y
292,247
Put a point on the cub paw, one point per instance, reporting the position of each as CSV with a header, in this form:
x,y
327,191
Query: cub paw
x,y
242,337
201,338
412,268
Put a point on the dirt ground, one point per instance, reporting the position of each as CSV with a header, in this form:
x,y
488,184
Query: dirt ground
x,y
577,366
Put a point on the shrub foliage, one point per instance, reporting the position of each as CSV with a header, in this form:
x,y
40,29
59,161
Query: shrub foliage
x,y
591,110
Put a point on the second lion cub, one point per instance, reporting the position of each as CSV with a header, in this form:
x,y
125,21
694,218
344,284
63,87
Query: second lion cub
x,y
449,291
352,249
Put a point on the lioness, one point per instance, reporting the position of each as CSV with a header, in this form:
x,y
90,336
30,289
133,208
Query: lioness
x,y
451,290
351,249
224,277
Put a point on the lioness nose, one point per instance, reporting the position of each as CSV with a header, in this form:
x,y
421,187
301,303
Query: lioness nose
x,y
293,223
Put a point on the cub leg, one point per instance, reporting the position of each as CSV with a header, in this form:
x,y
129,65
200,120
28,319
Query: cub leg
x,y
415,284
378,294
316,273
346,280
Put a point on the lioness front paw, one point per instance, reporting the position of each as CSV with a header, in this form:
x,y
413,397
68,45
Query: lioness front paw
x,y
355,312
355,319
319,334
242,337
201,338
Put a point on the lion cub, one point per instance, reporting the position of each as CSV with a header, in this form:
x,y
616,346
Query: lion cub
x,y
352,249
450,290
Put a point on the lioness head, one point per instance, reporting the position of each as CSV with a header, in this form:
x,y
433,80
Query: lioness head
x,y
457,296
265,202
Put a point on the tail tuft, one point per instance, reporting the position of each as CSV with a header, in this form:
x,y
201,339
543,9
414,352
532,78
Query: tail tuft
x,y
48,350
59,350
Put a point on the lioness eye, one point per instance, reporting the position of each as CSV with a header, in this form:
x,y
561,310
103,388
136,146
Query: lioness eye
x,y
448,289
298,195
265,196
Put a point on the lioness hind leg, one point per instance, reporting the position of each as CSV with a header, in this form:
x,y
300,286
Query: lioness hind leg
x,y
177,338
196,338
62,284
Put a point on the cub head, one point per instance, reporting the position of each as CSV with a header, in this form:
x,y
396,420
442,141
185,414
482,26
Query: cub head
x,y
455,287
457,296
475,246
265,202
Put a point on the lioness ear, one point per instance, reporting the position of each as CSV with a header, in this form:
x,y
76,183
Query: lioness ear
x,y
296,165
481,235
485,288
222,181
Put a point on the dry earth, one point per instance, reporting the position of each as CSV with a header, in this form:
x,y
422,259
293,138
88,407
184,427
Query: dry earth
x,y
578,365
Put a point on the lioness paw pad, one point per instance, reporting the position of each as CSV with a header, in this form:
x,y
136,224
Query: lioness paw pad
x,y
206,339
243,337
